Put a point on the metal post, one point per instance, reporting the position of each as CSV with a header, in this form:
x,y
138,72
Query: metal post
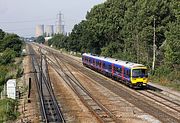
x,y
154,46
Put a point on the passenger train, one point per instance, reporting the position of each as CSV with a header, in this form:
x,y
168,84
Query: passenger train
x,y
133,74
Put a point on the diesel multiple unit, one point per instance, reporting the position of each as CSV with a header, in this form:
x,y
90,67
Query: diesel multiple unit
x,y
132,74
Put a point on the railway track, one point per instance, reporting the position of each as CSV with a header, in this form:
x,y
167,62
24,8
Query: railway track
x,y
164,113
131,96
159,98
49,108
100,111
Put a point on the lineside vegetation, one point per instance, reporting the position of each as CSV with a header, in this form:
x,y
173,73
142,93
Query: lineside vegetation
x,y
10,67
124,29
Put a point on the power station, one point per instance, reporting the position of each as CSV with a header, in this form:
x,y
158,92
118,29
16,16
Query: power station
x,y
48,30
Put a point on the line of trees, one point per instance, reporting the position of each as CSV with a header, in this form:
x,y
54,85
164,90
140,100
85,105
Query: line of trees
x,y
124,29
10,48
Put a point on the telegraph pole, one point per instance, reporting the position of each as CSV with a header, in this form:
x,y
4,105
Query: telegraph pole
x,y
154,46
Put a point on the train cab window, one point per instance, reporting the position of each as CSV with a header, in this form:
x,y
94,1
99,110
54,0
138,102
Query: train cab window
x,y
139,73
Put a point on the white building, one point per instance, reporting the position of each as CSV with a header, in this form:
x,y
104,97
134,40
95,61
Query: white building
x,y
11,88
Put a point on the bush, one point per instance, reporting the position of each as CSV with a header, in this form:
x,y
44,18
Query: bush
x,y
3,73
7,56
163,71
8,110
19,72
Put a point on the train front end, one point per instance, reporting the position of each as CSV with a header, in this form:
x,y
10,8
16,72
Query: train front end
x,y
139,76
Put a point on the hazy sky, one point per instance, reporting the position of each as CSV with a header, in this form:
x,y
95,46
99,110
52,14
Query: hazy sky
x,y
21,16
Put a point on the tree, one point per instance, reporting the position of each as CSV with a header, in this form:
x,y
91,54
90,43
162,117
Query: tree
x,y
2,34
172,44
40,40
124,29
7,56
3,73
13,42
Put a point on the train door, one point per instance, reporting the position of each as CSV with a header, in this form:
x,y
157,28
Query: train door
x,y
112,69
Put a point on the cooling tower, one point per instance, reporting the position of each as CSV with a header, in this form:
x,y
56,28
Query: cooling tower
x,y
58,29
39,30
49,30
62,29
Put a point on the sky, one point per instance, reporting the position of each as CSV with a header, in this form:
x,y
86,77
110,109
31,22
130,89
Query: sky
x,y
21,16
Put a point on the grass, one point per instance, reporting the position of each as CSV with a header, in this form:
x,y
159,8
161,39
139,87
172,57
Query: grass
x,y
171,80
8,110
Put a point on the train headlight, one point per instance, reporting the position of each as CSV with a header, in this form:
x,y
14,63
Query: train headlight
x,y
144,84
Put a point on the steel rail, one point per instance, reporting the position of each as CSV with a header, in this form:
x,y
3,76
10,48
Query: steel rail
x,y
76,81
43,111
58,114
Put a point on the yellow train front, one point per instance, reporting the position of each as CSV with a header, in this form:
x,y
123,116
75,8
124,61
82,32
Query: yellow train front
x,y
139,76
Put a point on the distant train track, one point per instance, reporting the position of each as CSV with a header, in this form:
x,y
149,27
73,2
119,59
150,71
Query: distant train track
x,y
49,108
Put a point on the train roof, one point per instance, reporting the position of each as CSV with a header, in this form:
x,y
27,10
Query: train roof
x,y
115,61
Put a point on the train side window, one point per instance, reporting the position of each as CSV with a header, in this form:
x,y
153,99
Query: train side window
x,y
119,70
110,67
124,72
96,63
128,73
116,69
99,63
104,66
